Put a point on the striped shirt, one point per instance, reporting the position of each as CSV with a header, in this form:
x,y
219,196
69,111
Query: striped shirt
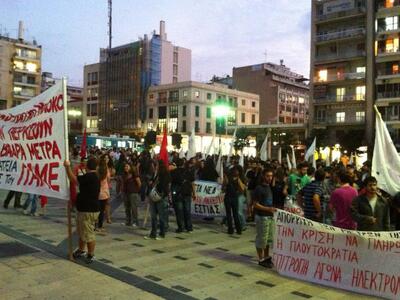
x,y
308,193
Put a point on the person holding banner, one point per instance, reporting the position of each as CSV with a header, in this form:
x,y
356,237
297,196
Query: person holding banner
x,y
17,199
370,210
87,205
264,212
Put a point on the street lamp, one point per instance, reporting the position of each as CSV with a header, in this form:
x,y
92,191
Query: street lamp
x,y
220,111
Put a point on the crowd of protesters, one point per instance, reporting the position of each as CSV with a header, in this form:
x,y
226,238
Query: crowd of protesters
x,y
337,194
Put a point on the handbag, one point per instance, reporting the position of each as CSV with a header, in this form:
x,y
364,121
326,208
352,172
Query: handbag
x,y
154,195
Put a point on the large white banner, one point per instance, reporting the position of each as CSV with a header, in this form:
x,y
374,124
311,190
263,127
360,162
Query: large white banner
x,y
360,261
337,6
209,199
32,143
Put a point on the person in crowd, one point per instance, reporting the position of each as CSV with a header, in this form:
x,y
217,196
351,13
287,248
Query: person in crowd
x,y
31,201
309,197
264,210
17,199
340,202
370,210
234,187
208,172
182,190
104,195
111,174
159,209
279,188
87,205
119,172
252,176
396,207
329,185
131,185
297,181
146,170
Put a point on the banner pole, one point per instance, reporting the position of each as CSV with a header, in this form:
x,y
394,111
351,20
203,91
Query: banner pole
x,y
69,204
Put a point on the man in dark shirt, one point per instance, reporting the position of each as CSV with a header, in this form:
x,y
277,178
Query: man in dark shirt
x,y
87,206
264,212
310,197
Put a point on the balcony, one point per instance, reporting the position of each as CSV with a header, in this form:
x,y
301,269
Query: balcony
x,y
382,4
21,95
26,57
340,77
340,34
339,99
339,122
341,14
339,56
388,95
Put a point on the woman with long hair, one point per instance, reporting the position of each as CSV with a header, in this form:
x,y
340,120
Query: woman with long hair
x,y
131,185
111,171
104,196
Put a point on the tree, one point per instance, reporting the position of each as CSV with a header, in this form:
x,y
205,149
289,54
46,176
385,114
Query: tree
x,y
150,139
242,139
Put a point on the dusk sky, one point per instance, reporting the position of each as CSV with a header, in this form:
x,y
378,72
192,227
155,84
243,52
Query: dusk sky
x,y
221,34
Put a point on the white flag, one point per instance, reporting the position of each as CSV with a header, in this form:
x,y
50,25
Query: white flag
x,y
280,155
264,149
311,150
241,159
181,153
210,150
385,159
294,164
231,146
288,162
192,146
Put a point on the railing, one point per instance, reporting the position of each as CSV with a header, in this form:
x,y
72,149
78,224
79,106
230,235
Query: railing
x,y
340,56
341,14
389,51
382,5
340,34
333,120
344,98
395,94
342,76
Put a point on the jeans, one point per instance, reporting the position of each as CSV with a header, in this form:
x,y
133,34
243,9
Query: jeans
x,y
242,203
159,209
31,200
182,207
131,202
102,206
17,200
231,207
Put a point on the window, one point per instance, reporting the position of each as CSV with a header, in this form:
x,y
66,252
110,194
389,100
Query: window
x,y
243,118
31,80
392,45
322,75
360,69
360,92
173,111
173,96
340,94
151,112
173,125
208,127
391,23
185,93
208,112
197,111
196,126
162,123
91,110
231,118
301,100
395,69
3,103
31,67
253,104
340,117
175,70
162,97
321,115
174,79
253,119
184,111
243,102
360,116
175,57
209,96
389,3
183,126
197,94
162,112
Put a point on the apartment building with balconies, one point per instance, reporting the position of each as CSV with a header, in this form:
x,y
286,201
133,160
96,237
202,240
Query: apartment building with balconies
x,y
20,74
90,107
387,53
342,69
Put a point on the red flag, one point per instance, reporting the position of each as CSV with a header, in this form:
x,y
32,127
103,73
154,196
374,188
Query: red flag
x,y
83,145
163,151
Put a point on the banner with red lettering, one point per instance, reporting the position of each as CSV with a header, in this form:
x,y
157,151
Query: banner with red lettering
x,y
359,261
32,143
209,199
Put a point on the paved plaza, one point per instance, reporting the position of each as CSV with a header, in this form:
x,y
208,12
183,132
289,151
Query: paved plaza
x,y
207,264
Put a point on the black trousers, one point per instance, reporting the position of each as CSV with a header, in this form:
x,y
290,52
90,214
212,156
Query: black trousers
x,y
17,201
102,205
232,211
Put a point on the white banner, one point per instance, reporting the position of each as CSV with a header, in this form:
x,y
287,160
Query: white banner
x,y
360,261
337,6
32,143
209,199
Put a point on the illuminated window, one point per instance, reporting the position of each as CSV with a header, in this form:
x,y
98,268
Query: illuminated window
x,y
340,117
173,125
360,92
173,111
19,65
360,70
185,93
389,3
391,23
31,67
340,94
17,90
395,69
161,124
392,45
360,116
197,94
87,123
301,100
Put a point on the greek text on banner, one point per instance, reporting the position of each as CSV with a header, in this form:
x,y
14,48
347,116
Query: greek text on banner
x,y
32,145
209,199
360,261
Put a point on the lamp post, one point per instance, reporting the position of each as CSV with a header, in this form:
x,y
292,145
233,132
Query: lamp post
x,y
221,111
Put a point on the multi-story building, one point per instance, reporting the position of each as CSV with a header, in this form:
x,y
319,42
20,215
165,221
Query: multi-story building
x,y
284,96
184,106
91,97
342,69
125,74
20,63
387,53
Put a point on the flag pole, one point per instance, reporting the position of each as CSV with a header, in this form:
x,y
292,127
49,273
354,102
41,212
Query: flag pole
x,y
69,204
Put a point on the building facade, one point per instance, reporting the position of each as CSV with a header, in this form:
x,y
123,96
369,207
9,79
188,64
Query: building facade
x,y
20,64
182,107
284,96
90,105
125,74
